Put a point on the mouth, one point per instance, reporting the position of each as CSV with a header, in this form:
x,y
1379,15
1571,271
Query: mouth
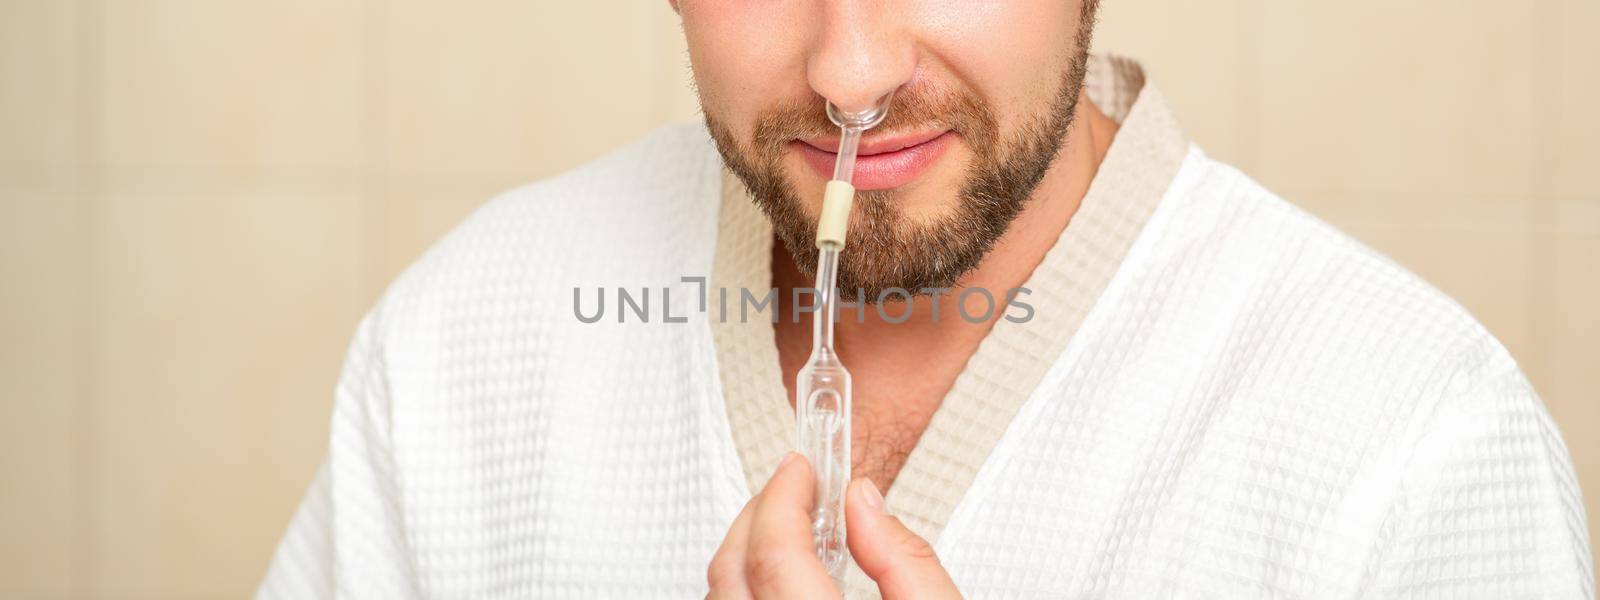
x,y
882,162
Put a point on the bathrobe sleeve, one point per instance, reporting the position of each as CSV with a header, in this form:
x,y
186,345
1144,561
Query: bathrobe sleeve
x,y
348,538
1490,507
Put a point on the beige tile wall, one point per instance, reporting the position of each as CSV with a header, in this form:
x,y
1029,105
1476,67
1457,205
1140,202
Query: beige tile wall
x,y
198,199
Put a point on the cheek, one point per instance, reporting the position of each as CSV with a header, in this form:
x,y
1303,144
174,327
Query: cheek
x,y
740,61
1010,53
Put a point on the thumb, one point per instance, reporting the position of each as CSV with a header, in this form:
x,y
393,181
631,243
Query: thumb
x,y
902,563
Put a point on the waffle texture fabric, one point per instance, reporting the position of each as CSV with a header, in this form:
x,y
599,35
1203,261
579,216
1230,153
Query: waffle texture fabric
x,y
1255,406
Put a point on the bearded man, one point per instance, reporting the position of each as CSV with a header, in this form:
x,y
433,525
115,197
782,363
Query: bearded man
x,y
1088,360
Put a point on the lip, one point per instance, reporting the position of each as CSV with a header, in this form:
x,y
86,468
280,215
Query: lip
x,y
881,163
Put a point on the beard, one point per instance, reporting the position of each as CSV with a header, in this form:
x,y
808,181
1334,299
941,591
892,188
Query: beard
x,y
886,249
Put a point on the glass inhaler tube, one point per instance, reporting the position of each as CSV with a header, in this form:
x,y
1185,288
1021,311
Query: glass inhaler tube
x,y
822,387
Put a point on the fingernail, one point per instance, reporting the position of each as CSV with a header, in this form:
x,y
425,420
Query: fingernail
x,y
787,458
871,496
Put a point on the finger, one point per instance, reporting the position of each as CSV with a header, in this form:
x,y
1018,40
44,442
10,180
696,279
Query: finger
x,y
780,561
725,575
902,563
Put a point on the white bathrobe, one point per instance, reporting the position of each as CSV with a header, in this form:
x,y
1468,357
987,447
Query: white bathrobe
x,y
1218,396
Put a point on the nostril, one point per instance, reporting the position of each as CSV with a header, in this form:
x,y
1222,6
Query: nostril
x,y
861,119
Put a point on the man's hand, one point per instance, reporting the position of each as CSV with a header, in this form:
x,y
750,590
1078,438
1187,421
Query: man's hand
x,y
767,552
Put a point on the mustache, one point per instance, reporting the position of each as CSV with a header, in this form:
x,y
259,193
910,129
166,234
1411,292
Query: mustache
x,y
912,109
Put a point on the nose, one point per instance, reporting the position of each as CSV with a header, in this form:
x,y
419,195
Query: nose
x,y
863,52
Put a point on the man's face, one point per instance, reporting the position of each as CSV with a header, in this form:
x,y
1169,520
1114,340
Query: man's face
x,y
984,91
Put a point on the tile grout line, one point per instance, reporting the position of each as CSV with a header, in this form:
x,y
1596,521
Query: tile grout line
x,y
658,83
374,167
1545,94
1251,51
669,70
85,571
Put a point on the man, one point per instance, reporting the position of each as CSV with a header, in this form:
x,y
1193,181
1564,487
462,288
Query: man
x,y
1172,384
